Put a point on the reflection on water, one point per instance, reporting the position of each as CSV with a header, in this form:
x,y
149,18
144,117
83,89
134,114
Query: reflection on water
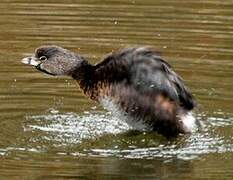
x,y
194,36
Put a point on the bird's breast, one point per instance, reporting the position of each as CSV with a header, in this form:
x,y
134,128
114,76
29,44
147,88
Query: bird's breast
x,y
118,111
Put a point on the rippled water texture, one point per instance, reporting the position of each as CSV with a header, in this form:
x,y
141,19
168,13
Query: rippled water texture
x,y
49,130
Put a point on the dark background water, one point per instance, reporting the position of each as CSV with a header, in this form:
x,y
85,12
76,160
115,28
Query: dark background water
x,y
49,130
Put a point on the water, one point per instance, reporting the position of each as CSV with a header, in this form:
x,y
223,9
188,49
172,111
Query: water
x,y
49,130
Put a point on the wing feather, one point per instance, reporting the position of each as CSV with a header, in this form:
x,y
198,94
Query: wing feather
x,y
150,74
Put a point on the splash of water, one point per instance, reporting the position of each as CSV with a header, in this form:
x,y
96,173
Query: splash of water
x,y
104,135
72,130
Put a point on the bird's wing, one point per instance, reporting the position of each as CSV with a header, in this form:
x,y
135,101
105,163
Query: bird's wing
x,y
151,75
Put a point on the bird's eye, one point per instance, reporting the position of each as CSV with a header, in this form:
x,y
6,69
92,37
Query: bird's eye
x,y
43,58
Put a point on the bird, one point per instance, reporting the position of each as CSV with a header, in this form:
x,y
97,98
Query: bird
x,y
136,81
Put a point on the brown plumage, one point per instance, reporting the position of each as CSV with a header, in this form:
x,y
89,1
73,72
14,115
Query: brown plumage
x,y
137,80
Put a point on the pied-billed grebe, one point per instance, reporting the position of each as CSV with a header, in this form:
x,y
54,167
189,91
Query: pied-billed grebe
x,y
136,80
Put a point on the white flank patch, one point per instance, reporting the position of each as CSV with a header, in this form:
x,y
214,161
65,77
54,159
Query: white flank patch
x,y
189,122
134,123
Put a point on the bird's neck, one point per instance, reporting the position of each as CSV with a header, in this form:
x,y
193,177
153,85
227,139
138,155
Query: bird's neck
x,y
85,76
93,80
83,71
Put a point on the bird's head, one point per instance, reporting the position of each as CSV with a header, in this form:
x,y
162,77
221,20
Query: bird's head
x,y
54,60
